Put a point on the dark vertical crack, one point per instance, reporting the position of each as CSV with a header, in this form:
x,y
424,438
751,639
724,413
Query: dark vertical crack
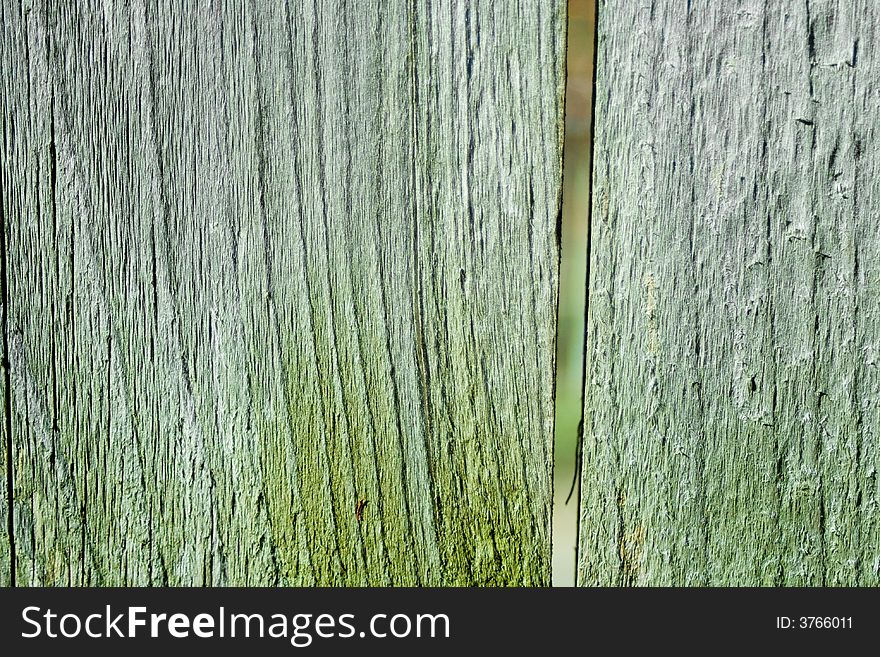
x,y
7,389
420,354
700,457
811,48
53,355
333,373
259,128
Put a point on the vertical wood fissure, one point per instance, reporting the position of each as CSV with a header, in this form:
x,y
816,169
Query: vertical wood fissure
x,y
7,395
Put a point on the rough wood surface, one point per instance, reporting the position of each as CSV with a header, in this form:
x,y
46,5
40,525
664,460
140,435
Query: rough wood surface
x,y
733,392
267,260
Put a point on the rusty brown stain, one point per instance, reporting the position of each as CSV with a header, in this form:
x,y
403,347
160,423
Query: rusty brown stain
x,y
359,509
630,549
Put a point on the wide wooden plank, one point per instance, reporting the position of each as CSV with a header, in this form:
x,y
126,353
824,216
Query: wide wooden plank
x,y
282,283
733,393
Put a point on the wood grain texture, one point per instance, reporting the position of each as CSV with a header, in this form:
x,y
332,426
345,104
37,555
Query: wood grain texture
x,y
266,260
733,393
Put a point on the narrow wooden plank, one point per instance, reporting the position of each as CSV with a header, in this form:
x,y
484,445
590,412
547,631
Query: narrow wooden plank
x,y
732,397
268,260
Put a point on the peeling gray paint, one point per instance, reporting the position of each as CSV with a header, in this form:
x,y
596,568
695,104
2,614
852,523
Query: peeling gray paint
x,y
732,387
266,260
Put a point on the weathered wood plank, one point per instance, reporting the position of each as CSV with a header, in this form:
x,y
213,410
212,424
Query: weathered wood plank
x,y
270,259
734,320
